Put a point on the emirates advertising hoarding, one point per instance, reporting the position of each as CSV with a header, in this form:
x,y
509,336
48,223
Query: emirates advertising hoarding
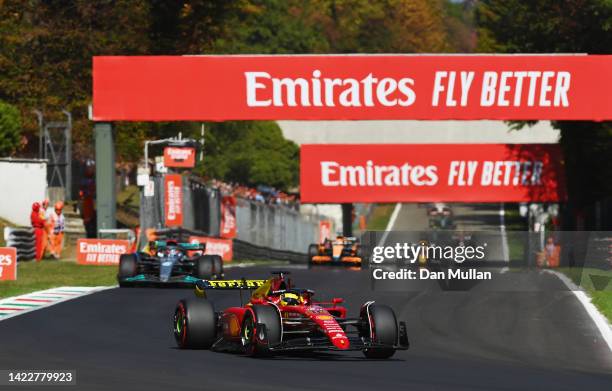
x,y
101,251
359,87
173,200
433,172
179,157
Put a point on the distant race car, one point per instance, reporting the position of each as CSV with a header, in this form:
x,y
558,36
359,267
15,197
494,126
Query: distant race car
x,y
279,318
440,217
169,262
343,250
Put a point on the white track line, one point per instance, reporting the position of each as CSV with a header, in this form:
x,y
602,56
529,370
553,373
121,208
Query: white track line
x,y
504,237
57,295
600,321
390,224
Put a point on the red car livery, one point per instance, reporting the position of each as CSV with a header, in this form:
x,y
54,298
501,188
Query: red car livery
x,y
280,318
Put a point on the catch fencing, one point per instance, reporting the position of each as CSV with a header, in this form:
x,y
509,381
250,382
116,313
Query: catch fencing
x,y
275,226
201,207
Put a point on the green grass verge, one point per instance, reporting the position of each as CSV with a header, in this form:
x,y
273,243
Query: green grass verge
x,y
379,218
597,284
35,276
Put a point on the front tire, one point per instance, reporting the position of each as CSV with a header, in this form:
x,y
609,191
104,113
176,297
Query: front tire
x,y
194,324
128,267
313,250
381,326
267,315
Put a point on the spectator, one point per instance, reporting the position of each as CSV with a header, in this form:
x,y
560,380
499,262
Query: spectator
x,y
45,214
58,227
38,223
87,191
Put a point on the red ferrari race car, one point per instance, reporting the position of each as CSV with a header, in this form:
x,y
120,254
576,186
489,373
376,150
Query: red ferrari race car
x,y
342,251
280,318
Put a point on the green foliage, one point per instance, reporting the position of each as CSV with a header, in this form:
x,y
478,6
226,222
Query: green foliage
x,y
544,26
47,47
10,129
273,27
250,153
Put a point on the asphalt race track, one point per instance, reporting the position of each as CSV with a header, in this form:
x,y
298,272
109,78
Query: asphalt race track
x,y
471,339
121,338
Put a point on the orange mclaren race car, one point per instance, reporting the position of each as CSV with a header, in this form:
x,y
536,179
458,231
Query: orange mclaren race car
x,y
342,251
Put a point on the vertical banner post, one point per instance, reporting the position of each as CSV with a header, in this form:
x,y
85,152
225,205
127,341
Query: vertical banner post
x,y
106,202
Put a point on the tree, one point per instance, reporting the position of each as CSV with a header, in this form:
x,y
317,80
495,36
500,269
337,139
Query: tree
x,y
386,26
250,153
10,129
553,26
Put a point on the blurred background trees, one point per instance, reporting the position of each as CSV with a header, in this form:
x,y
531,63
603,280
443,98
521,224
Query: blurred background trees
x,y
47,49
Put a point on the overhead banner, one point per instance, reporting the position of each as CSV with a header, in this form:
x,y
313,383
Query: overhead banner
x,y
180,157
358,87
431,173
101,251
173,211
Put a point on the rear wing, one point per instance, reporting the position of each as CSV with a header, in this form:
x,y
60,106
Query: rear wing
x,y
184,246
203,285
230,284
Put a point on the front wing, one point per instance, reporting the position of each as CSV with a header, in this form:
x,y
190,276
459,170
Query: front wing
x,y
323,344
186,281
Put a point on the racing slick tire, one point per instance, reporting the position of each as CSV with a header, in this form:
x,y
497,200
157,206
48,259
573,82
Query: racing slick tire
x,y
194,324
128,267
217,266
268,316
359,253
313,250
204,267
381,326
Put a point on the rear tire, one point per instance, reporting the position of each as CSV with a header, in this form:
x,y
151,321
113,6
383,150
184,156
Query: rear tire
x,y
383,328
194,324
128,267
261,314
204,267
313,250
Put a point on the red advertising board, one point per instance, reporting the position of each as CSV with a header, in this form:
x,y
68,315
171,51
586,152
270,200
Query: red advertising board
x,y
180,157
216,246
324,230
101,251
228,217
366,87
8,263
173,195
431,172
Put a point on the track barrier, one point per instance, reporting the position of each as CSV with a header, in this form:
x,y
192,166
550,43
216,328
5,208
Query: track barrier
x,y
22,238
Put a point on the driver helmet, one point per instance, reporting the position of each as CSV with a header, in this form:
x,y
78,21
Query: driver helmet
x,y
290,299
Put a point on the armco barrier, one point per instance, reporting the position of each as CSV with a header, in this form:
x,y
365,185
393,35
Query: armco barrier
x,y
23,240
246,251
